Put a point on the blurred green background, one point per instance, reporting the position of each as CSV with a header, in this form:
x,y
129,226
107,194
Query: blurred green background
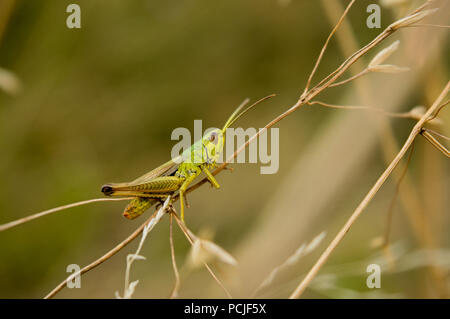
x,y
98,104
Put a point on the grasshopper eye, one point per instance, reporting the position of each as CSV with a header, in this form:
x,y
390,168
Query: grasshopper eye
x,y
213,138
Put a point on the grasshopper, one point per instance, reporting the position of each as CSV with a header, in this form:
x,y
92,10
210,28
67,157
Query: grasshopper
x,y
176,175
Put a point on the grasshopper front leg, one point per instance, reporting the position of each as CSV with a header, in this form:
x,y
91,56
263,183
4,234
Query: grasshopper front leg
x,y
210,177
183,188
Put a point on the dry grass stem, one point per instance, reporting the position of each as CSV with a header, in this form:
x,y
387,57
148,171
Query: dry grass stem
x,y
438,110
102,259
408,115
394,199
324,48
176,287
302,251
418,15
57,209
191,238
436,133
412,19
430,138
376,65
367,199
129,287
429,25
423,6
354,77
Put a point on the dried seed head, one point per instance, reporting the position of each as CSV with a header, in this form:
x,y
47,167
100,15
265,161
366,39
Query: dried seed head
x,y
303,250
393,3
9,82
376,66
411,19
204,251
130,290
315,242
133,257
388,68
419,111
384,54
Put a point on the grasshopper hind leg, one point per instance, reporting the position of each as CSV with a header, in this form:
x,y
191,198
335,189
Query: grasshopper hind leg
x,y
140,204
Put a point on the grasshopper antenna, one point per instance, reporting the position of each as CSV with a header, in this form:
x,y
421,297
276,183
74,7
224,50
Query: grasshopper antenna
x,y
235,114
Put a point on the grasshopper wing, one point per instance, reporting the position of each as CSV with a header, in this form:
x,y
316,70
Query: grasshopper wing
x,y
140,204
164,170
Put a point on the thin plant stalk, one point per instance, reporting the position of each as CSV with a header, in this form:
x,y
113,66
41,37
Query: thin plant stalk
x,y
368,198
190,237
57,209
175,289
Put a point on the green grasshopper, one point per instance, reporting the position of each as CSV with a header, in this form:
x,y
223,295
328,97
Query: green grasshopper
x,y
176,175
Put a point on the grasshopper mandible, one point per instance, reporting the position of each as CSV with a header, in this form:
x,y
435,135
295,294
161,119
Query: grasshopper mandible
x,y
176,175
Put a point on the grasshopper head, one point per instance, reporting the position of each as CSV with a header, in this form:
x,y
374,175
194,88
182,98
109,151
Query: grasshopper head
x,y
213,142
